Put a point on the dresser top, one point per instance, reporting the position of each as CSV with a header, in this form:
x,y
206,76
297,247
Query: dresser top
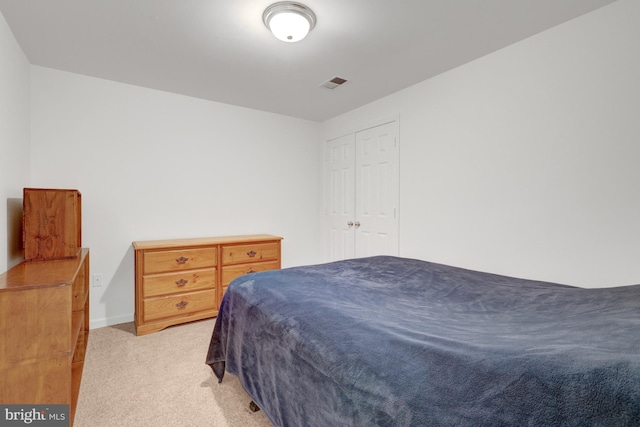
x,y
36,274
203,241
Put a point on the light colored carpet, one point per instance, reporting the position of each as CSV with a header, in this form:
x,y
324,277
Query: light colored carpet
x,y
158,380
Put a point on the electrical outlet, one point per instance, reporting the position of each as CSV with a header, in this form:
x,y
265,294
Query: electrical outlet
x,y
97,279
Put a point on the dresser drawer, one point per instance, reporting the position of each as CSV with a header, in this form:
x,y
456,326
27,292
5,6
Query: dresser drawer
x,y
179,305
231,272
182,259
181,280
250,252
175,283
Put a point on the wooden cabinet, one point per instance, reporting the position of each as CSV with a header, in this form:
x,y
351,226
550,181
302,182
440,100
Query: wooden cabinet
x,y
183,280
44,327
51,223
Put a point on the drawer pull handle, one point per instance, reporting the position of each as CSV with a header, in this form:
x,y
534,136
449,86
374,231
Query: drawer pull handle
x,y
182,260
181,282
252,253
181,305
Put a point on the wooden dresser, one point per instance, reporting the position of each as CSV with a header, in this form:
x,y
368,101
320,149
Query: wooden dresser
x,y
44,327
183,280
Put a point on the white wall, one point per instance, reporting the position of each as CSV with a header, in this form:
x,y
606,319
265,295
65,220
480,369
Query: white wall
x,y
155,165
522,162
526,161
14,143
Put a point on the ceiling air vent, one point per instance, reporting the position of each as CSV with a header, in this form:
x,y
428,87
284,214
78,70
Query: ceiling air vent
x,y
333,83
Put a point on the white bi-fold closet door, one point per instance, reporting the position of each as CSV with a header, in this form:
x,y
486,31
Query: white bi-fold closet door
x,y
362,187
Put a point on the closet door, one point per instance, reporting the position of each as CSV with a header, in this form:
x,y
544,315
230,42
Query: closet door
x,y
341,197
362,193
377,188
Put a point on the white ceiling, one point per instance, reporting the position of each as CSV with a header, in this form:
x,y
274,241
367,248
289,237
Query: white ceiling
x,y
220,50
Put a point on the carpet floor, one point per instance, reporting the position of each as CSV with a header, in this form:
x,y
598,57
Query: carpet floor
x,y
158,380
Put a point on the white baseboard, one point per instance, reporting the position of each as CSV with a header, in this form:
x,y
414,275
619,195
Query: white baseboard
x,y
116,320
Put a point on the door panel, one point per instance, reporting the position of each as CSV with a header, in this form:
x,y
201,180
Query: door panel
x,y
377,191
341,197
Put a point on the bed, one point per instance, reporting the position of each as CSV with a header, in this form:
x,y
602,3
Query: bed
x,y
389,341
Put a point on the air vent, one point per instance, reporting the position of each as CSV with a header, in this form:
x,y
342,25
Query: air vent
x,y
333,83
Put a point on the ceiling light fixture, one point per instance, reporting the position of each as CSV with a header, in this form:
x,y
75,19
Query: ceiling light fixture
x,y
289,21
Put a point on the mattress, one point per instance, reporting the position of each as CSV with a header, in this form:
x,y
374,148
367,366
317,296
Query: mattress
x,y
388,341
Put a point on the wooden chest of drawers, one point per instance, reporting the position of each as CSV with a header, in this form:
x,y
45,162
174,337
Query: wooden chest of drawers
x,y
182,280
44,330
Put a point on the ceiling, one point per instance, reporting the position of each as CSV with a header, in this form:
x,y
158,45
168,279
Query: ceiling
x,y
221,51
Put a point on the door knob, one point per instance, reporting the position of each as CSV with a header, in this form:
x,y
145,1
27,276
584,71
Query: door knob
x,y
350,224
357,224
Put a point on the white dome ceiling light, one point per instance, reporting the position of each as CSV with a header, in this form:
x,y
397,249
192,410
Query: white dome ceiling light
x,y
289,21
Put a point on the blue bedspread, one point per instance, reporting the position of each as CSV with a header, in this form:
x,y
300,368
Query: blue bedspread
x,y
387,341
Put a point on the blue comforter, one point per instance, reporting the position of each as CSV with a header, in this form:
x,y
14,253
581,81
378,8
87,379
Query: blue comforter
x,y
387,341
